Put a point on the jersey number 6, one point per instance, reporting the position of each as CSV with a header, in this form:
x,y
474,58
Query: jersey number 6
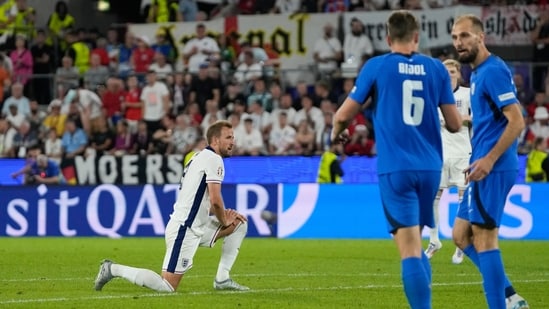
x,y
412,107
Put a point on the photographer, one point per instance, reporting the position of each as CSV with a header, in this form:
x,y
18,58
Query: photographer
x,y
44,171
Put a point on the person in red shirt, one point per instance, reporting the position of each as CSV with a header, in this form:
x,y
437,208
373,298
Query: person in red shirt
x,y
101,50
132,106
112,99
142,57
360,143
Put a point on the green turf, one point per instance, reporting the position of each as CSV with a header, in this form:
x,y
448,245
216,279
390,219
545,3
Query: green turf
x,y
59,273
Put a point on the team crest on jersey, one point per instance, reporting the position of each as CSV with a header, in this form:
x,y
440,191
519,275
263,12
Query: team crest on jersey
x,y
220,171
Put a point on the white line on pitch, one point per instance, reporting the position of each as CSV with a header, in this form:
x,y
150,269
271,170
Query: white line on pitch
x,y
282,290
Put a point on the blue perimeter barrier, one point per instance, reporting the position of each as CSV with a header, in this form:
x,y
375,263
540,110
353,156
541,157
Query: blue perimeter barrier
x,y
293,211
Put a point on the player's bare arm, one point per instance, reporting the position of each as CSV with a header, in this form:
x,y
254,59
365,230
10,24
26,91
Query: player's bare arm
x,y
343,118
515,124
452,118
217,206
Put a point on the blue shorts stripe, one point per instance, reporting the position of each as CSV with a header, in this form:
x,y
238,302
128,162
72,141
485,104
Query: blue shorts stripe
x,y
489,222
176,250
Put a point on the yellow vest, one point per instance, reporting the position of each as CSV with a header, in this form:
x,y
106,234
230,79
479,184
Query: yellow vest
x,y
4,10
164,9
533,165
20,25
56,25
324,174
82,58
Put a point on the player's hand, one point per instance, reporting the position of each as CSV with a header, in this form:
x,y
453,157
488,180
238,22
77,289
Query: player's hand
x,y
342,138
479,169
237,215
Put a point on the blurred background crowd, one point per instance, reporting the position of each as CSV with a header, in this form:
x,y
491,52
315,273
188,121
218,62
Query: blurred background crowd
x,y
69,89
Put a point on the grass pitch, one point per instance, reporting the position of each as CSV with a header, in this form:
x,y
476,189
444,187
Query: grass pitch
x,y
59,273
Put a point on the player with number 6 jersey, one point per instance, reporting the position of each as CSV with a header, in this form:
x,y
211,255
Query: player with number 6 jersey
x,y
406,89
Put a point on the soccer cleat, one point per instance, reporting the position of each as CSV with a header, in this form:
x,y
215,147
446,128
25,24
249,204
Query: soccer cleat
x,y
457,258
516,302
104,274
229,284
432,249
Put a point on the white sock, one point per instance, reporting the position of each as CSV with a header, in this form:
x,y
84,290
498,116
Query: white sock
x,y
141,277
229,251
433,235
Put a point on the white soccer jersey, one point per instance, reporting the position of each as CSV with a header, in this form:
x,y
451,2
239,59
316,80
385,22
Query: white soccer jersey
x,y
192,207
458,145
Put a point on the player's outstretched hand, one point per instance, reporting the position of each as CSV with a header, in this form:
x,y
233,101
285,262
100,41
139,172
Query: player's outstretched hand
x,y
479,169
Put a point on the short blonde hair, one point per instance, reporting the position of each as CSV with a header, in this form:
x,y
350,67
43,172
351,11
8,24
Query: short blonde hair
x,y
452,63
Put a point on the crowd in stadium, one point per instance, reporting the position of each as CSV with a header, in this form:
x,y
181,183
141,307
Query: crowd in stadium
x,y
125,93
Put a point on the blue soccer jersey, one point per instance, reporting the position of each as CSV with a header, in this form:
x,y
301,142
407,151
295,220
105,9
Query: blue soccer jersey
x,y
406,91
492,88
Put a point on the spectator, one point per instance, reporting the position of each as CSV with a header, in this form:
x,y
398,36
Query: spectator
x,y
67,76
540,39
227,52
327,52
540,127
249,70
112,100
282,137
212,115
74,140
164,46
90,107
348,84
276,93
540,99
199,50
261,94
249,141
537,164
524,95
163,137
204,88
286,6
55,120
195,116
97,74
36,116
179,94
183,135
329,170
42,59
14,118
142,140
162,11
357,46
52,146
6,138
113,43
24,18
360,144
124,62
123,140
17,98
59,23
161,66
188,10
30,159
23,140
45,171
78,51
101,50
260,117
5,76
156,101
132,107
21,58
142,56
286,107
322,92
76,115
305,139
323,136
301,90
260,55
232,94
310,113
363,5
332,6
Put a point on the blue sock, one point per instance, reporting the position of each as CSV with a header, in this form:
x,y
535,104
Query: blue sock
x,y
427,266
493,276
471,252
416,283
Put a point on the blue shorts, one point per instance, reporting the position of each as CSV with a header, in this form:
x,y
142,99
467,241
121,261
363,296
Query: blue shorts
x,y
407,198
483,201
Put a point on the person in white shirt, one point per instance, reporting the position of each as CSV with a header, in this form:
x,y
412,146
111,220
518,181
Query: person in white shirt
x,y
90,106
52,147
285,105
286,6
161,66
282,137
183,135
212,115
156,102
311,113
357,46
191,224
327,51
249,70
14,117
198,50
249,142
456,149
6,138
